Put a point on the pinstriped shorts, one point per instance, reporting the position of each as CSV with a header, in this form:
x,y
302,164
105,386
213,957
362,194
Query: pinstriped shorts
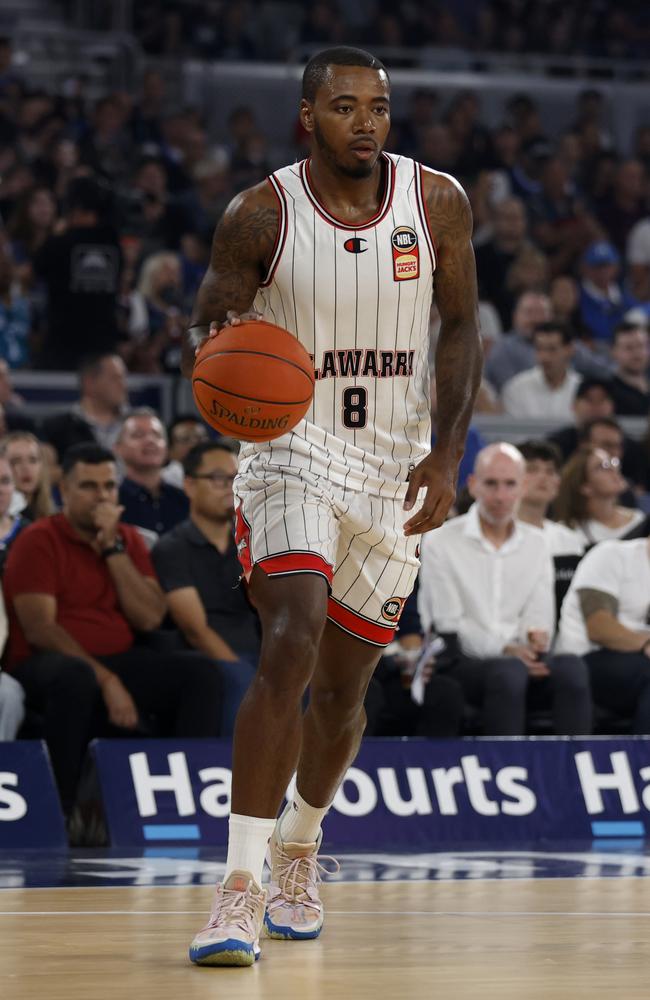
x,y
291,521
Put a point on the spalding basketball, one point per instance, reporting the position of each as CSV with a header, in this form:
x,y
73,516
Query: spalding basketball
x,y
253,381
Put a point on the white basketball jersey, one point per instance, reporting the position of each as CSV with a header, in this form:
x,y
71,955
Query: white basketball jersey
x,y
358,298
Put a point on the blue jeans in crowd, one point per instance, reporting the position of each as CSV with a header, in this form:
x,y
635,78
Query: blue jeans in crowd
x,y
237,675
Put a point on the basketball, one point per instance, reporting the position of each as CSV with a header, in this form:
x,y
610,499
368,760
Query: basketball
x,y
253,381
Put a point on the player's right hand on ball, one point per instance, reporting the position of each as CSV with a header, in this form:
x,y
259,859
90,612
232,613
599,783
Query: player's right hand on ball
x,y
232,319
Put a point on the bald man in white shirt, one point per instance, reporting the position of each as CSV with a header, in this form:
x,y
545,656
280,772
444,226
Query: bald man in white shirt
x,y
488,578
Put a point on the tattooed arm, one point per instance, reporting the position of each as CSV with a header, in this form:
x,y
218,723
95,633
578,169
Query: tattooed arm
x,y
458,354
241,252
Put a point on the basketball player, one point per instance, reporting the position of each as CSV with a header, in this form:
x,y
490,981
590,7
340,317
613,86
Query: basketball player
x,y
341,250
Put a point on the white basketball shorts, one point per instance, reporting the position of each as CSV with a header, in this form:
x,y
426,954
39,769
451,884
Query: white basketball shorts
x,y
291,521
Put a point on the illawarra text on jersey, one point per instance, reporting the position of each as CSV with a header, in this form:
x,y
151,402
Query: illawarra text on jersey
x,y
365,364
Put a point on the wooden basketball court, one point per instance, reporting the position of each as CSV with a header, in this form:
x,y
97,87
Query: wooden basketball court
x,y
518,939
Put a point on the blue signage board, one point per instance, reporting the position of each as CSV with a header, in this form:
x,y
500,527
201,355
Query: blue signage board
x,y
30,810
402,794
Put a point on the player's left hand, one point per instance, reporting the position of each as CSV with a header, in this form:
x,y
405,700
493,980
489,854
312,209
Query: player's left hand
x,y
438,475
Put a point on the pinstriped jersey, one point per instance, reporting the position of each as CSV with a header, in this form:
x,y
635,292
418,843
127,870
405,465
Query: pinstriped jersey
x,y
358,298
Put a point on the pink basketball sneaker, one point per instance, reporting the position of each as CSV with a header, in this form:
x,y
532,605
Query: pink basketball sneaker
x,y
294,911
232,934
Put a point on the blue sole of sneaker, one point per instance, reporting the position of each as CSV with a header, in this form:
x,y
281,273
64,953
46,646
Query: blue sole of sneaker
x,y
280,933
225,953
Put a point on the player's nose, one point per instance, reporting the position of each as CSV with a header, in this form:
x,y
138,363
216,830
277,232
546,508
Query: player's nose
x,y
363,122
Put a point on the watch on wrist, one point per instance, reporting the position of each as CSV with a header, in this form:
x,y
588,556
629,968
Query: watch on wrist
x,y
115,549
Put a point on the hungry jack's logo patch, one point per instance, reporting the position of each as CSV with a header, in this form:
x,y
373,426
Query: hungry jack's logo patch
x,y
406,253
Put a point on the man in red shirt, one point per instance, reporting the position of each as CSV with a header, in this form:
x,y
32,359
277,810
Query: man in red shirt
x,y
79,587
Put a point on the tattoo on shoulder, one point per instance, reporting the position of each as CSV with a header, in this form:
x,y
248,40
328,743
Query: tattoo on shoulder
x,y
448,207
247,237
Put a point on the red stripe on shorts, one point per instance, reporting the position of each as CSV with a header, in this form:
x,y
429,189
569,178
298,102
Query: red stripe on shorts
x,y
243,542
296,562
378,635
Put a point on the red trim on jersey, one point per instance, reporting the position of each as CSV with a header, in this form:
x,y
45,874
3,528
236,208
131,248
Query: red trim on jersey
x,y
333,221
296,562
281,235
243,542
424,215
357,625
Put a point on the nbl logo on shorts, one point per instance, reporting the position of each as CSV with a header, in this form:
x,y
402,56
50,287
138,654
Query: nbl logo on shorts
x,y
406,253
392,609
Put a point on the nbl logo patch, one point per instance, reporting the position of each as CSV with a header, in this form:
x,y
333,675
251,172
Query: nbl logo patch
x,y
406,254
392,609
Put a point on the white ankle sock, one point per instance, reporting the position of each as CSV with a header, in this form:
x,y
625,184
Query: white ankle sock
x,y
248,837
300,822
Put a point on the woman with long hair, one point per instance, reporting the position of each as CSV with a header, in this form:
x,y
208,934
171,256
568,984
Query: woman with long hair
x,y
22,449
31,222
588,500
10,524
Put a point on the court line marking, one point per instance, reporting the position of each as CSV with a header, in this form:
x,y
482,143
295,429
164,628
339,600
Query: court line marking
x,y
337,913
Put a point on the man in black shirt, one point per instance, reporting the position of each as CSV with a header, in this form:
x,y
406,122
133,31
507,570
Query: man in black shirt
x,y
630,385
81,270
148,501
198,568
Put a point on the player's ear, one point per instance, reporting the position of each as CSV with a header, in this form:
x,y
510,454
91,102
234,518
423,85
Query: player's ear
x,y
307,115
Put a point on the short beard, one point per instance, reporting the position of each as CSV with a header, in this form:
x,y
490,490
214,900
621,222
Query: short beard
x,y
359,172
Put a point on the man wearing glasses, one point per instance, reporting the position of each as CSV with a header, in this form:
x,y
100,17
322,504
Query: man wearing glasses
x,y
199,570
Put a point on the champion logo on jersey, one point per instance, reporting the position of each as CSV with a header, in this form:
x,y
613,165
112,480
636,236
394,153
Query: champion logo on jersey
x,y
392,609
406,254
354,245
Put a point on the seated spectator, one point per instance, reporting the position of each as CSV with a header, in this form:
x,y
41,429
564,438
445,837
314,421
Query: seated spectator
x,y
603,303
100,412
25,456
624,205
564,294
148,500
391,709
630,383
186,431
11,524
488,578
79,586
547,389
527,273
13,405
31,223
514,352
541,486
589,498
15,317
638,260
540,490
605,621
607,433
561,225
496,255
156,320
198,567
12,696
593,400
81,269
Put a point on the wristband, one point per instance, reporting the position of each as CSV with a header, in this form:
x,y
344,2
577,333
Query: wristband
x,y
117,548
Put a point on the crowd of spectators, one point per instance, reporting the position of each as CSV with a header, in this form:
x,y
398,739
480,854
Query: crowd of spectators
x,y
257,29
116,532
